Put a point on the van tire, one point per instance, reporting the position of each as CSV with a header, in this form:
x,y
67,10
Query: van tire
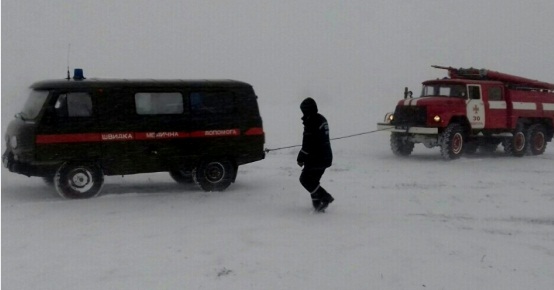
x,y
181,176
214,175
79,180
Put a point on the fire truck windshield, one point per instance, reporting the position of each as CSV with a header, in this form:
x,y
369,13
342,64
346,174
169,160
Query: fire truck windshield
x,y
444,90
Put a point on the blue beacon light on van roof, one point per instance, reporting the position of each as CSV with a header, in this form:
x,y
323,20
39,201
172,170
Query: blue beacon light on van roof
x,y
78,74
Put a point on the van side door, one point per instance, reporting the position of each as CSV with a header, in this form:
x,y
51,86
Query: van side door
x,y
67,129
162,126
121,153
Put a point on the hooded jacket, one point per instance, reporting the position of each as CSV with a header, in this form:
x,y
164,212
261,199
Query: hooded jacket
x,y
316,148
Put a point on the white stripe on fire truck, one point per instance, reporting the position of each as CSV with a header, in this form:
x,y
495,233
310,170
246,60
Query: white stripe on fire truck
x,y
524,106
497,104
548,107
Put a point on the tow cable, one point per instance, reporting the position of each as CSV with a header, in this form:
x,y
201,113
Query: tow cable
x,y
267,150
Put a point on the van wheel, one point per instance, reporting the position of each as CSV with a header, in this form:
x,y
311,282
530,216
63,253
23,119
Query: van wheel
x,y
536,140
214,175
78,181
181,176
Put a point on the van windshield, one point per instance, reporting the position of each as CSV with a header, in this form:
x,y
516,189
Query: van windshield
x,y
33,105
444,90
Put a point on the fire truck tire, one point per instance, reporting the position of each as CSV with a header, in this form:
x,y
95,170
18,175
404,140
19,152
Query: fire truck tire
x,y
536,139
516,145
181,177
214,175
452,142
79,180
399,146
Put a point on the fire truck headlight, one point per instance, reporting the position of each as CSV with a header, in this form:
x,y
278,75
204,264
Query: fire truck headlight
x,y
13,142
389,117
437,118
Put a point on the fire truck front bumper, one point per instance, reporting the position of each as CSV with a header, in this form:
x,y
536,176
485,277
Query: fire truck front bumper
x,y
407,129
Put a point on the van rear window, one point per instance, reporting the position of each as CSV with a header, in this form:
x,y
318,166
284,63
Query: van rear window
x,y
159,103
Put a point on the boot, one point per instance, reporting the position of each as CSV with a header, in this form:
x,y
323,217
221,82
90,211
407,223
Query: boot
x,y
316,201
325,200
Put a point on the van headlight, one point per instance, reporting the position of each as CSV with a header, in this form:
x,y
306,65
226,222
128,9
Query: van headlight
x,y
437,118
389,117
13,142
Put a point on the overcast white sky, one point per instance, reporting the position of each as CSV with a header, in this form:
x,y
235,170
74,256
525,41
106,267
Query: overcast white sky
x,y
354,56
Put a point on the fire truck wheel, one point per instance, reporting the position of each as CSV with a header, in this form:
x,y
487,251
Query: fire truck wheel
x,y
400,146
181,176
536,139
452,142
214,175
517,145
79,180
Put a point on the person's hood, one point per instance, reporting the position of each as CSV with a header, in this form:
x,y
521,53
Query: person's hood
x,y
308,107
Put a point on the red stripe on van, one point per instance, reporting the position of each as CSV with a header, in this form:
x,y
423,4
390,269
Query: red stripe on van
x,y
215,133
129,136
161,135
68,138
254,131
117,136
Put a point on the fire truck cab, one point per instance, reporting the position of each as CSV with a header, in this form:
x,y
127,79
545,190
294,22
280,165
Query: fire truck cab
x,y
474,110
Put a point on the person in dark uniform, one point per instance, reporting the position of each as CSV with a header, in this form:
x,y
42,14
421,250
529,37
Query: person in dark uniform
x,y
316,154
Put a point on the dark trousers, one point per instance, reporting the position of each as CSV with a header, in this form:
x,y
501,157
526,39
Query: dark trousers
x,y
309,179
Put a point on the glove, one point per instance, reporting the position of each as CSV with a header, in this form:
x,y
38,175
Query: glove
x,y
301,157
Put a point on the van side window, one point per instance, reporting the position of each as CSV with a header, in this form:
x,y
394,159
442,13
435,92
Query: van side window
x,y
495,94
163,103
212,103
76,104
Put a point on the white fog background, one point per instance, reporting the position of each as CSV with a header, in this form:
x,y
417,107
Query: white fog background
x,y
353,56
482,222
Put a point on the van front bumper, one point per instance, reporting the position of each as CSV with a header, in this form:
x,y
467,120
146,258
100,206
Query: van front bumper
x,y
29,169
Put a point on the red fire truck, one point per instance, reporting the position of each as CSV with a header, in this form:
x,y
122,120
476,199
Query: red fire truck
x,y
474,109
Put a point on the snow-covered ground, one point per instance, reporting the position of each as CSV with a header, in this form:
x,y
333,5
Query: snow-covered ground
x,y
481,222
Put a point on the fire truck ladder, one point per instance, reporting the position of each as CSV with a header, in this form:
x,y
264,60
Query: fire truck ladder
x,y
485,74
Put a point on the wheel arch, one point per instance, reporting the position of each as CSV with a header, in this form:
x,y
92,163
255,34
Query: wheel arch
x,y
460,120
